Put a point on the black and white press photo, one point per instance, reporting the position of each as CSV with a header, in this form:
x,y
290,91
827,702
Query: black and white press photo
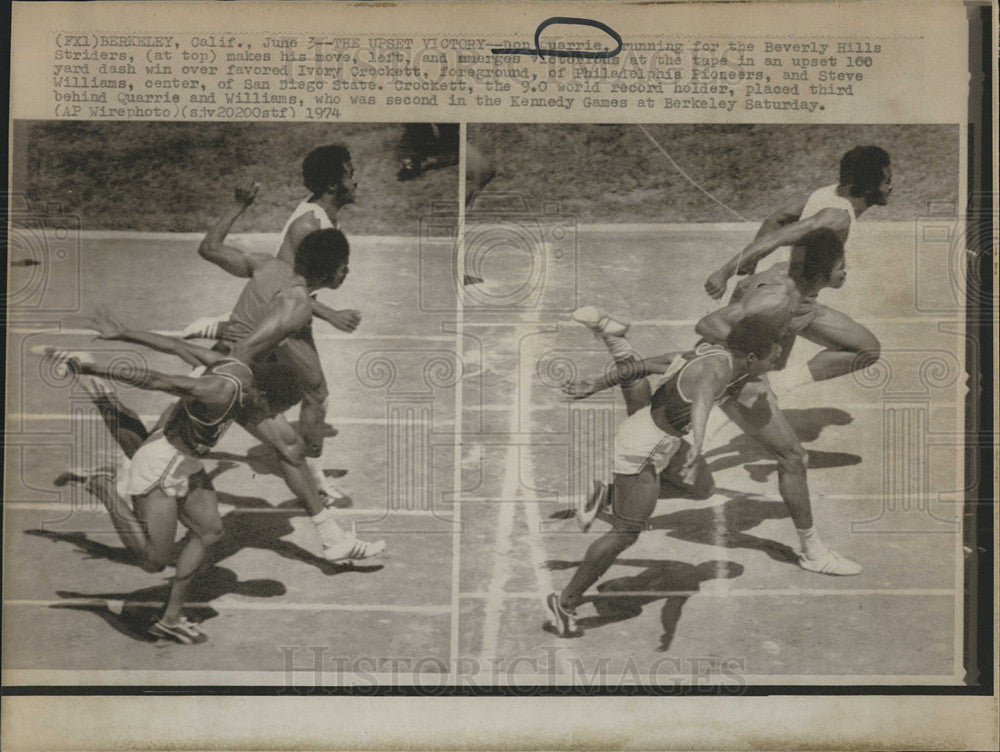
x,y
474,375
756,478
229,398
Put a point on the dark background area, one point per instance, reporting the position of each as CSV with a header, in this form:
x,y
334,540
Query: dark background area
x,y
614,173
178,177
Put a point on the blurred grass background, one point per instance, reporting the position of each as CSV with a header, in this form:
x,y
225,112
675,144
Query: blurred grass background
x,y
613,173
179,176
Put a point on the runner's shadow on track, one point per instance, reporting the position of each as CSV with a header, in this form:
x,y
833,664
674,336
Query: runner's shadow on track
x,y
141,608
211,583
256,524
676,580
253,524
262,460
807,424
738,515
91,548
134,621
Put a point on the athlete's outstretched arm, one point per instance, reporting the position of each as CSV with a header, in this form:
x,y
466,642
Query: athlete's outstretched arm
x,y
767,302
715,326
623,372
213,248
289,314
709,376
193,355
150,380
765,243
346,320
785,215
107,327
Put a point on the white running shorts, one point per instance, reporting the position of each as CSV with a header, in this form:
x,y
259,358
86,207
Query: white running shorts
x,y
158,464
639,441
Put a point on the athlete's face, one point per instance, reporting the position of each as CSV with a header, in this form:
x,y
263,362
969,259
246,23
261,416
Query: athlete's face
x,y
838,274
880,196
348,188
337,278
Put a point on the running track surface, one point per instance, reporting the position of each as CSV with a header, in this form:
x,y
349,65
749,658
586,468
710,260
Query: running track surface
x,y
477,532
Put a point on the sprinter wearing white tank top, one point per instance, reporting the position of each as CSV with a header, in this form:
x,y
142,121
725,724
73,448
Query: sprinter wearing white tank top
x,y
329,192
865,181
328,174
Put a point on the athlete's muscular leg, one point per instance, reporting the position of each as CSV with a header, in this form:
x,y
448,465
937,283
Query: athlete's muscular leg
x,y
848,345
158,513
635,497
636,391
299,353
131,530
757,414
279,433
200,514
637,395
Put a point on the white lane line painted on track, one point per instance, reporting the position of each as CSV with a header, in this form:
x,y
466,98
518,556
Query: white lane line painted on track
x,y
533,349
532,353
265,238
785,403
501,545
694,229
518,464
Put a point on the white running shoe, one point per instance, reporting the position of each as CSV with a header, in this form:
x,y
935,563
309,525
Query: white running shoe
x,y
600,321
829,562
183,631
562,623
351,550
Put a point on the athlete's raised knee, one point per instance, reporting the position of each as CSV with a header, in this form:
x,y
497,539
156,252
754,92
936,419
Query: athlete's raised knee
x,y
288,444
868,353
